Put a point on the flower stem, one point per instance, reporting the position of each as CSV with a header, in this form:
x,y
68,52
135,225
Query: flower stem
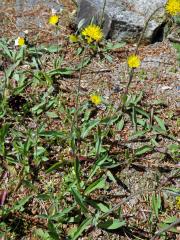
x,y
102,15
75,125
131,74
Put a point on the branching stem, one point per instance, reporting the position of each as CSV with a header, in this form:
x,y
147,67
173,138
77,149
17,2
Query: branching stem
x,y
131,74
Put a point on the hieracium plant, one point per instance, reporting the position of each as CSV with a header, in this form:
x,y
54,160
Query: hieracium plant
x,y
91,35
172,7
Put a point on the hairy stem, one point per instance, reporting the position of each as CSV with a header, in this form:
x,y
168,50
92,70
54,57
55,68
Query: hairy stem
x,y
102,15
75,125
131,74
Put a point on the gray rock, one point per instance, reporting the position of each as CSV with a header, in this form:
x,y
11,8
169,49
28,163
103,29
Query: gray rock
x,y
125,19
25,22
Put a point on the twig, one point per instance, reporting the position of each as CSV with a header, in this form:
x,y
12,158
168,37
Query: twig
x,y
145,27
174,224
97,71
173,39
124,201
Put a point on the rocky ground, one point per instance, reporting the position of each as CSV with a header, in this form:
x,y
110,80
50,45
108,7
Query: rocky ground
x,y
158,78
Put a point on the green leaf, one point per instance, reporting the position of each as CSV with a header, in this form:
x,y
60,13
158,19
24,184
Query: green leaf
x,y
177,20
98,140
142,112
100,183
137,135
52,114
142,122
156,204
157,129
134,118
54,167
167,222
142,150
139,97
43,235
4,131
108,57
52,134
61,215
160,123
19,89
97,165
79,199
19,205
81,65
87,222
111,46
109,120
5,50
88,126
52,231
53,48
40,151
10,70
77,169
38,107
20,54
120,124
111,177
112,224
79,50
103,207
174,149
177,47
81,23
61,71
164,225
43,197
170,219
47,78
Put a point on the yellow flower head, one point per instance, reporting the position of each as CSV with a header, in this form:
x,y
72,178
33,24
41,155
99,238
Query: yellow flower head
x,y
53,20
178,202
133,61
20,41
96,99
173,7
92,33
73,38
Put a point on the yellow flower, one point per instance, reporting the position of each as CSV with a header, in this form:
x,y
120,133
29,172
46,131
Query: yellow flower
x,y
133,61
178,202
173,7
96,99
53,20
73,38
20,41
92,33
